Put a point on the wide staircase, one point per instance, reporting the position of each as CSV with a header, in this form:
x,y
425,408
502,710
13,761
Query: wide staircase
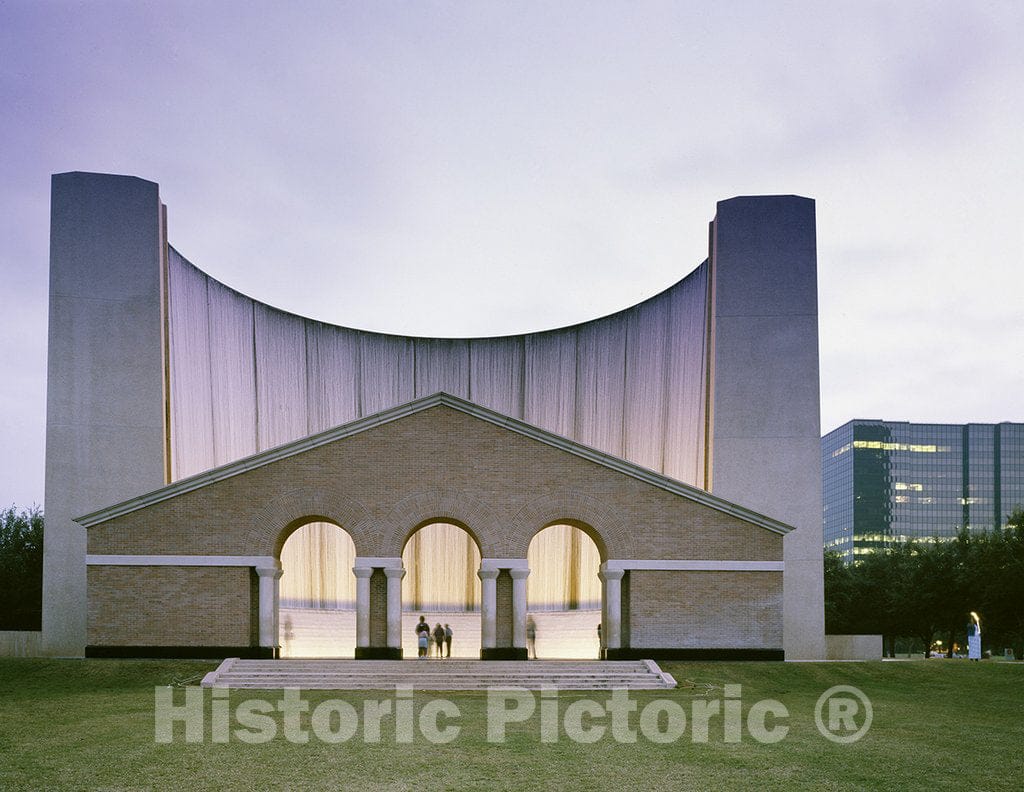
x,y
438,674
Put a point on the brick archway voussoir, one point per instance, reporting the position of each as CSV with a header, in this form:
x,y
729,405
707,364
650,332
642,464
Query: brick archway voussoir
x,y
439,506
616,540
267,532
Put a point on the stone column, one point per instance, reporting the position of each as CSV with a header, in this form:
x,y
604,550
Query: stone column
x,y
394,637
488,607
363,575
268,596
611,630
519,607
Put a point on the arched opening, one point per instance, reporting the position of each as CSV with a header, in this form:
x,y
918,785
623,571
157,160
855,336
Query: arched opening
x,y
317,598
441,584
563,593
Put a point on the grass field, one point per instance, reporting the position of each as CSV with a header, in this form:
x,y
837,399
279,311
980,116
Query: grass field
x,y
89,724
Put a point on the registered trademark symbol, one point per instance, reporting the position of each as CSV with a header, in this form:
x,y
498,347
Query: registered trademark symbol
x,y
838,711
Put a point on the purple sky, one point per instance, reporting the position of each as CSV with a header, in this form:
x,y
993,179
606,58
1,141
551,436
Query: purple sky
x,y
486,168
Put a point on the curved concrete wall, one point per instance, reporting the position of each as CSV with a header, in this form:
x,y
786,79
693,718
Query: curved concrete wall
x,y
246,377
158,371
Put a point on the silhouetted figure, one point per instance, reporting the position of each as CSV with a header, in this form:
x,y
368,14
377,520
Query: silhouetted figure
x,y
439,638
447,641
531,638
599,647
423,636
289,633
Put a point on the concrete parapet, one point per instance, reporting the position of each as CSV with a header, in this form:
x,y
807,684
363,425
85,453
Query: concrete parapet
x,y
853,647
20,643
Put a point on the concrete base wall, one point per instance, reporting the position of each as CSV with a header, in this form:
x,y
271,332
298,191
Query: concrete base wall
x,y
853,647
378,653
20,643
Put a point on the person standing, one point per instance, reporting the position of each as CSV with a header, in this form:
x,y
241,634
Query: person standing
x,y
531,638
447,640
289,633
439,638
423,636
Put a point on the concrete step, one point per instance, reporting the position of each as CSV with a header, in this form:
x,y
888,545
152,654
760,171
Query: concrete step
x,y
430,665
342,683
437,674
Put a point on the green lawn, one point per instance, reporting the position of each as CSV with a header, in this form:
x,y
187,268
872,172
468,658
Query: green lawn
x,y
89,724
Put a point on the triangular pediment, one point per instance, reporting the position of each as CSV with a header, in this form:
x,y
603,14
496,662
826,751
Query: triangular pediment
x,y
507,423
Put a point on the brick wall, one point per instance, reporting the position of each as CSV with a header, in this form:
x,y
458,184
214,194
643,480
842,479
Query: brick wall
x,y
698,610
378,608
503,600
435,465
170,606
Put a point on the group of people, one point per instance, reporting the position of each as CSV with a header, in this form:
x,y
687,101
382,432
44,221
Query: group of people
x,y
440,636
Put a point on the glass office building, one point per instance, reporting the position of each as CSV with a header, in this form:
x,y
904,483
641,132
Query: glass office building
x,y
887,482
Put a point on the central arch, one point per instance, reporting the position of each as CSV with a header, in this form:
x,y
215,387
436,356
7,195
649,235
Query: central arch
x,y
442,558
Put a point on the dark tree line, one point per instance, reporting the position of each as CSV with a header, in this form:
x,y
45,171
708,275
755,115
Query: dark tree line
x,y
21,568
926,591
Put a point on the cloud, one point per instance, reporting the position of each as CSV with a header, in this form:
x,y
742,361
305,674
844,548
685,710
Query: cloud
x,y
478,168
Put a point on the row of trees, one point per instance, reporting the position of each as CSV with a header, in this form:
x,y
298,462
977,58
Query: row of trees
x,y
21,568
926,591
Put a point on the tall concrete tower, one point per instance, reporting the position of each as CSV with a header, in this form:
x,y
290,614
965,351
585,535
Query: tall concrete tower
x,y
106,423
765,444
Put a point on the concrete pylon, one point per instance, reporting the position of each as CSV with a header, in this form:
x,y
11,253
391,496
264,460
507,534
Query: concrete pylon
x,y
765,444
106,424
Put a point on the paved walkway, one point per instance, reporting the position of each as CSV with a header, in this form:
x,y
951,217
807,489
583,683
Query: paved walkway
x,y
308,632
